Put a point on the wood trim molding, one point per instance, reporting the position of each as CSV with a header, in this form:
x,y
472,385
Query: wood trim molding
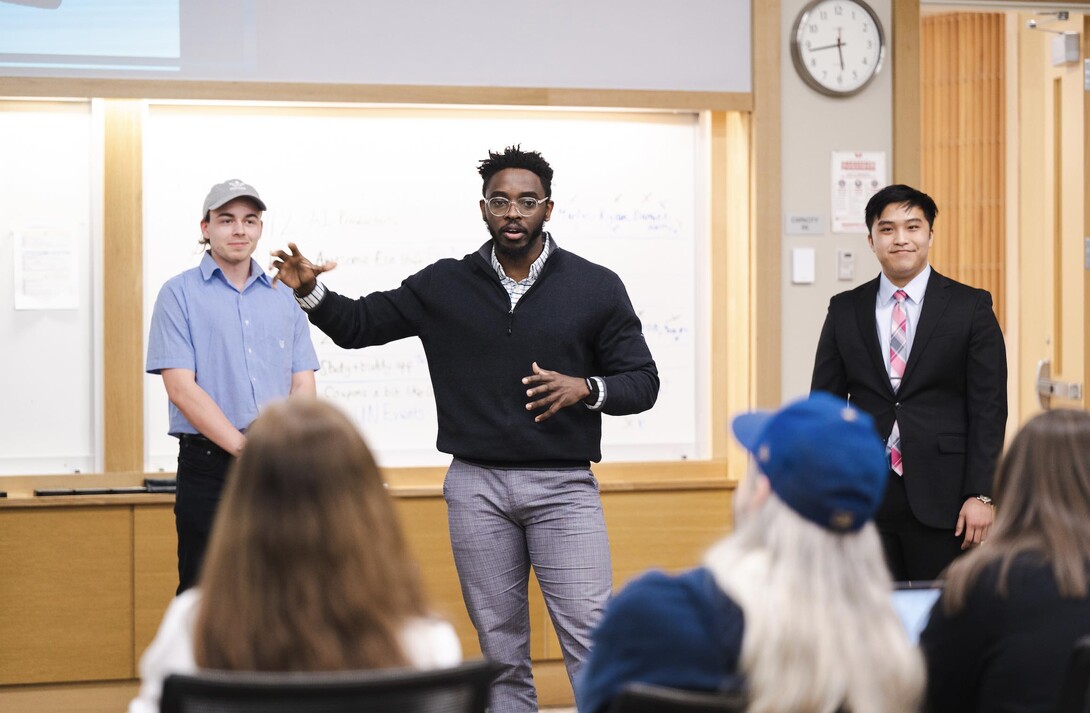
x,y
766,179
123,288
375,93
907,108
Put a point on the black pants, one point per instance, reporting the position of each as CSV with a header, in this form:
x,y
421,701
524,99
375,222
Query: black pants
x,y
913,550
202,471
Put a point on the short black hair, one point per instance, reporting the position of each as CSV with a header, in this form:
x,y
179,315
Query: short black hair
x,y
900,194
515,157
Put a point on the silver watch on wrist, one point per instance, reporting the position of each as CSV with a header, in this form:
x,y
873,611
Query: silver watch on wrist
x,y
984,499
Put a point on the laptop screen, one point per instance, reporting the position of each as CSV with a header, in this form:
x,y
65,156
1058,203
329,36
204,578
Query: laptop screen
x,y
913,602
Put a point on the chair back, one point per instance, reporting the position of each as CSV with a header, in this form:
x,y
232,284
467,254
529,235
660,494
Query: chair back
x,y
647,698
1076,686
462,689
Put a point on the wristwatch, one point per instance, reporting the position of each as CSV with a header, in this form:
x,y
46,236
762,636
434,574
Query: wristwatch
x,y
984,499
592,398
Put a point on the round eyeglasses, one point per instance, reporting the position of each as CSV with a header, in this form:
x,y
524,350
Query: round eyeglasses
x,y
525,206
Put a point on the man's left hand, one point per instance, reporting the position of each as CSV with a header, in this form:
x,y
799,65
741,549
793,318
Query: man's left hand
x,y
553,390
975,519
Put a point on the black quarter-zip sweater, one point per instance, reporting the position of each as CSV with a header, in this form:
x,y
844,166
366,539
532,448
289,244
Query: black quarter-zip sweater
x,y
576,319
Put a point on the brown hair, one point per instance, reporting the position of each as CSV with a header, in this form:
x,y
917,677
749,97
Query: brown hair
x,y
306,569
1042,491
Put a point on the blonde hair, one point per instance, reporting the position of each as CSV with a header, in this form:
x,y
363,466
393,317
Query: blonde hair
x,y
1042,491
820,630
306,568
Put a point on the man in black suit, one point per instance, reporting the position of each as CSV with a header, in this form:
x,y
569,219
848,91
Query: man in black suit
x,y
923,355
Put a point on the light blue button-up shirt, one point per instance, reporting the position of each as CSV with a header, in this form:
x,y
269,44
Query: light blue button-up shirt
x,y
243,345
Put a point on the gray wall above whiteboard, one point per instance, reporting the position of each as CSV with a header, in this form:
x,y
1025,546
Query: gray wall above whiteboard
x,y
385,192
695,45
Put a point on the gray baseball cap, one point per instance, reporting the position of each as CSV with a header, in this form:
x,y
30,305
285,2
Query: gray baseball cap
x,y
223,193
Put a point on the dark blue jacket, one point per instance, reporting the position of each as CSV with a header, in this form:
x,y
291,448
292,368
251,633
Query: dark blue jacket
x,y
577,319
677,631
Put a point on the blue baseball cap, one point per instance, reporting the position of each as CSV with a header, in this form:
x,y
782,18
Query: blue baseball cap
x,y
822,457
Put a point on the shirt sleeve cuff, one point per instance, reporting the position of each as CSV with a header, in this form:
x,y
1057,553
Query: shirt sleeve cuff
x,y
597,405
313,299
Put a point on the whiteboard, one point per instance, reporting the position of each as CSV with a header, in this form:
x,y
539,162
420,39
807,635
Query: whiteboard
x,y
50,352
387,191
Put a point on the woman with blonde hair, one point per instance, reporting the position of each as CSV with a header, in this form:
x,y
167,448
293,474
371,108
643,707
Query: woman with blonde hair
x,y
794,607
1000,637
307,569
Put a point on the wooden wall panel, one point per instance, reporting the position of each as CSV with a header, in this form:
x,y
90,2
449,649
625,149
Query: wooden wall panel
x,y
66,588
155,572
963,126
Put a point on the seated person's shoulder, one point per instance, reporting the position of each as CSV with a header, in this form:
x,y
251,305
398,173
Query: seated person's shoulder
x,y
688,612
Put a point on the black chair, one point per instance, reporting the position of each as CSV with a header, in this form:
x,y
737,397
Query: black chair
x,y
647,698
1074,696
462,689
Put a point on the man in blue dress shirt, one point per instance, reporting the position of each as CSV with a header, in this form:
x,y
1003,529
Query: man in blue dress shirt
x,y
226,340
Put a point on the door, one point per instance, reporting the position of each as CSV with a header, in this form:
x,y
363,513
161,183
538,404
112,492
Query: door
x,y
1052,218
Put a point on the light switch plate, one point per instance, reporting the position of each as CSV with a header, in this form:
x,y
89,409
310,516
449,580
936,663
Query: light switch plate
x,y
802,266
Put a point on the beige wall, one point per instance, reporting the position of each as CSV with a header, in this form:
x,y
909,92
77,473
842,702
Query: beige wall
x,y
813,126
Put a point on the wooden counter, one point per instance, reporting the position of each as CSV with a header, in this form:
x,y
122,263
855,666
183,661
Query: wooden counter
x,y
85,579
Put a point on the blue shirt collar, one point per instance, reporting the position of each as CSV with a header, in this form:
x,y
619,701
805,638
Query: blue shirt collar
x,y
209,268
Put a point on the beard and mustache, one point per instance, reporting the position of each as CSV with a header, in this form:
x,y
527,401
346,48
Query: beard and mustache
x,y
515,252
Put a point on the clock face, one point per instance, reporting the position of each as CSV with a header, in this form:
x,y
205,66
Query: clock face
x,y
837,46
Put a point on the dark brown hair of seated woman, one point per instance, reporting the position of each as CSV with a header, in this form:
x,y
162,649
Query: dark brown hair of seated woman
x,y
307,568
1042,495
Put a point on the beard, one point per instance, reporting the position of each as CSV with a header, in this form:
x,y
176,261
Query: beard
x,y
506,250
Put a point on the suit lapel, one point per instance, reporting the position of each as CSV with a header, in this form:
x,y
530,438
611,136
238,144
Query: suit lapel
x,y
865,301
935,299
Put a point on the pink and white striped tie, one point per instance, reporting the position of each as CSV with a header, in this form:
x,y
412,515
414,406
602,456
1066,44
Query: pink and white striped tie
x,y
898,354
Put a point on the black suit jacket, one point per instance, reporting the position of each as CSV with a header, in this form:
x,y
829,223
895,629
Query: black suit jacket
x,y
951,407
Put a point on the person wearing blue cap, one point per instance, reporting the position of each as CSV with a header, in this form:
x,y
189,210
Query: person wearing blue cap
x,y
794,607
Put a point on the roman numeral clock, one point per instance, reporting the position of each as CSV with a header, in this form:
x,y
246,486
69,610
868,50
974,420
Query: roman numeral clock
x,y
838,46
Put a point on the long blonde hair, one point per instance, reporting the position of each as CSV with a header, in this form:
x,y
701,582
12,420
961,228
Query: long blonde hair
x,y
306,569
820,630
1042,491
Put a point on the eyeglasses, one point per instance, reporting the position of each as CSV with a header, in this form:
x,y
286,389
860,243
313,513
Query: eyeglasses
x,y
525,206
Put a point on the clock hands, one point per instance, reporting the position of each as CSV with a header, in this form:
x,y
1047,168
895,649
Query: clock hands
x,y
839,44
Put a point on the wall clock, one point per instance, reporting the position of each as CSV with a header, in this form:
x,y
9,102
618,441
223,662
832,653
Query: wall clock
x,y
838,46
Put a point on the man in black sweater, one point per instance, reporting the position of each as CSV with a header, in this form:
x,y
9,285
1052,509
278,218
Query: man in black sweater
x,y
527,345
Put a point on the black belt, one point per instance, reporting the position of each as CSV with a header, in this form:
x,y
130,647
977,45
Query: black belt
x,y
196,439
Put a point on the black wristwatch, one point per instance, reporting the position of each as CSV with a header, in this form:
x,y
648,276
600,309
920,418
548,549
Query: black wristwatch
x,y
592,384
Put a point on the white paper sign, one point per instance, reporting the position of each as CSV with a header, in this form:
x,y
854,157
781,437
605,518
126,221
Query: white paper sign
x,y
45,268
856,176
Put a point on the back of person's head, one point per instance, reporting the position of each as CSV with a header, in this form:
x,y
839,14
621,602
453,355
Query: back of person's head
x,y
1042,495
806,566
900,194
306,568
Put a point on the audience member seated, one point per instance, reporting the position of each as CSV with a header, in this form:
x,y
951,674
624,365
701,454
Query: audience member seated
x,y
794,607
1000,637
307,569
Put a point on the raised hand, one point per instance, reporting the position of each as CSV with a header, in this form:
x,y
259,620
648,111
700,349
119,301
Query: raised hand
x,y
297,272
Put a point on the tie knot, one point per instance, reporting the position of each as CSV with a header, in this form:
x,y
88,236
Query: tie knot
x,y
900,295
